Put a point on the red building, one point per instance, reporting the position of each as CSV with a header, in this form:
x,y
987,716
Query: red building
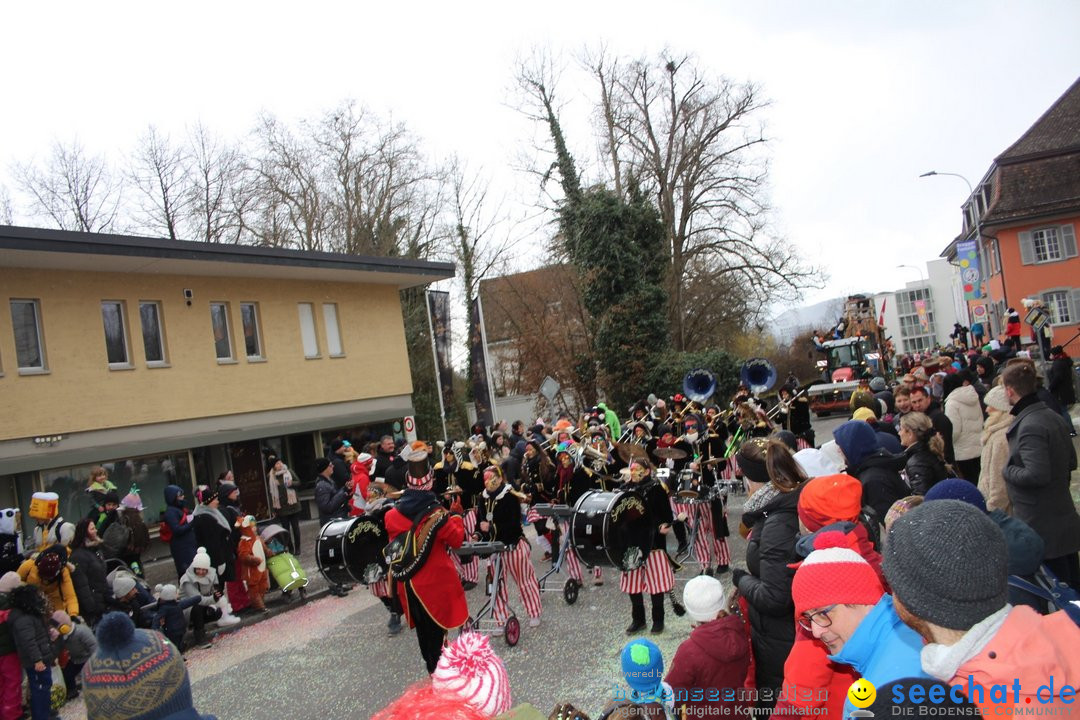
x,y
1028,209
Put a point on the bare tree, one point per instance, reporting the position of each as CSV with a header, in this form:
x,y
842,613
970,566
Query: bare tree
x,y
216,171
7,211
289,175
160,170
74,190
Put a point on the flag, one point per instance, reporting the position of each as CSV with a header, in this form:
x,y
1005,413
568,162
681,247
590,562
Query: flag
x,y
478,362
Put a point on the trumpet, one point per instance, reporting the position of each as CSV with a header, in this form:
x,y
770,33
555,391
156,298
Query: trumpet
x,y
783,404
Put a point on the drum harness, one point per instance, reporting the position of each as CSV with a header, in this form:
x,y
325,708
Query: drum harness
x,y
407,553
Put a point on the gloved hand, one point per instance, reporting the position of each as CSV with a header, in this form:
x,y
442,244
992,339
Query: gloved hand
x,y
736,575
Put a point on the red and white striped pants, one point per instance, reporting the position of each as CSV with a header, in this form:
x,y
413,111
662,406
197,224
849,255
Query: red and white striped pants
x,y
469,572
700,514
517,564
380,588
731,470
571,562
655,576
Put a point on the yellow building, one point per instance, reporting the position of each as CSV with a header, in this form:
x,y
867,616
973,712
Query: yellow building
x,y
171,361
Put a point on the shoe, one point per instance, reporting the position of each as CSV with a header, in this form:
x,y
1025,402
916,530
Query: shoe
x,y
547,556
394,626
598,582
707,571
657,628
635,627
534,622
467,586
720,570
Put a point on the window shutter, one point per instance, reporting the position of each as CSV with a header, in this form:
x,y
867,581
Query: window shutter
x,y
1027,251
1074,307
1068,241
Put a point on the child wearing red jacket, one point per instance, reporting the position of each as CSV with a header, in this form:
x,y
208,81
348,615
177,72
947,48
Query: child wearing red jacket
x,y
251,557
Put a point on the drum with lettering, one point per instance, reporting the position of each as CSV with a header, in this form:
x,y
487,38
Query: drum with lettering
x,y
351,550
612,528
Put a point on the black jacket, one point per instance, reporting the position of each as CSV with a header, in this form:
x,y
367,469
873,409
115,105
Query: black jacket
x,y
329,499
882,485
504,514
28,628
924,469
943,425
91,587
217,539
770,549
1060,380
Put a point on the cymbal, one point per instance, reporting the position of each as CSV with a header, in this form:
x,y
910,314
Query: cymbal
x,y
670,453
452,491
714,461
631,451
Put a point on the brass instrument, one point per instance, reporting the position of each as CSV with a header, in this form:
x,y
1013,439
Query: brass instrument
x,y
783,403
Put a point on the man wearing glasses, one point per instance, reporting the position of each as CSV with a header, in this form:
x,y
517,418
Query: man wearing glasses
x,y
839,599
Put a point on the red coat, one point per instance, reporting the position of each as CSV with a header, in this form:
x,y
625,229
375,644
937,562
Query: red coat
x,y
436,584
814,686
709,668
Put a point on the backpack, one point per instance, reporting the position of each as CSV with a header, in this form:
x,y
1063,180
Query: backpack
x,y
116,538
408,552
165,530
1057,594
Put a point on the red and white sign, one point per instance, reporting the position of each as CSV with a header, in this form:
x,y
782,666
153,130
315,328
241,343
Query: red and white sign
x,y
978,312
410,428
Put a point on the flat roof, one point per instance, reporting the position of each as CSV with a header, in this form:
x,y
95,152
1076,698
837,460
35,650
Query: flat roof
x,y
44,248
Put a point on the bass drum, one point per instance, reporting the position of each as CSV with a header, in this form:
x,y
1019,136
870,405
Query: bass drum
x,y
612,528
351,550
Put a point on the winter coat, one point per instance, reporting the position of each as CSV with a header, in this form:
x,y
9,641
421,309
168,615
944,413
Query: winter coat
x,y
965,413
341,474
879,474
140,534
1024,546
882,648
80,643
858,540
7,642
943,427
170,619
924,469
91,587
191,585
28,630
1041,460
135,607
281,484
995,455
60,593
1059,380
183,543
770,550
713,660
436,584
807,671
1028,648
212,532
511,466
329,499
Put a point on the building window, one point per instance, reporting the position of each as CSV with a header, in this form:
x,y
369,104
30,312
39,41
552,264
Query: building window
x,y
219,318
1062,306
116,342
152,335
307,330
333,330
29,344
1049,244
249,316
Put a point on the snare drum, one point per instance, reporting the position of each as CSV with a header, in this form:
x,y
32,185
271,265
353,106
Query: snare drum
x,y
689,485
351,550
612,528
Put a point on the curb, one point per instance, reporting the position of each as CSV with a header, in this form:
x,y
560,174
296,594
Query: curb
x,y
253,619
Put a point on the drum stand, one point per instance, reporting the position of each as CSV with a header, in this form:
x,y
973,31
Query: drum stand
x,y
484,618
571,587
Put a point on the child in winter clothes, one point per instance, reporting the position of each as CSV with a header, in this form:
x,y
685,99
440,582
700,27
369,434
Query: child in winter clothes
x,y
50,571
29,611
251,557
10,668
170,619
360,466
80,643
200,580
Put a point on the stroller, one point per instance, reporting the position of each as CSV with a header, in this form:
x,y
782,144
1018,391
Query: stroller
x,y
285,570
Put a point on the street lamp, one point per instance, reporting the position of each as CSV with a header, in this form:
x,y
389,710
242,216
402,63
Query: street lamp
x,y
978,231
922,274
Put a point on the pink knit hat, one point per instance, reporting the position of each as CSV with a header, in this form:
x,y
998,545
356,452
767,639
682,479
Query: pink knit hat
x,y
470,669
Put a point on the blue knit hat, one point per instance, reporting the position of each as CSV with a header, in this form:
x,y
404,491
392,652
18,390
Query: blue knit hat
x,y
957,489
642,665
136,675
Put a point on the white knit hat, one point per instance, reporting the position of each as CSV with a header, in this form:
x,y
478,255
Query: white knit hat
x,y
167,593
470,669
202,560
996,398
816,463
703,597
9,581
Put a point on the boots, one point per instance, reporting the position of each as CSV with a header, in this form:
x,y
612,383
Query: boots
x,y
227,618
680,535
657,613
637,614
394,626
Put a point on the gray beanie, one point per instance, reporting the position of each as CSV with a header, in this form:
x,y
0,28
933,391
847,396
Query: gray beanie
x,y
948,564
122,584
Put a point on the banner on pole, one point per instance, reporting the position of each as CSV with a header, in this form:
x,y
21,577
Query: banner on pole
x,y
439,312
478,362
967,257
920,310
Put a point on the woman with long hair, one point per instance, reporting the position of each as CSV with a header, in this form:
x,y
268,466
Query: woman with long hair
x,y
925,452
91,587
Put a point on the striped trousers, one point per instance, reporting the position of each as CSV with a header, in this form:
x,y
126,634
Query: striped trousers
x,y
517,564
655,576
469,572
380,588
571,562
801,443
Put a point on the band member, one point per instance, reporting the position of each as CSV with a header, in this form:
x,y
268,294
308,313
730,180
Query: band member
x,y
432,599
655,576
501,522
538,482
468,477
571,483
698,511
715,464
793,413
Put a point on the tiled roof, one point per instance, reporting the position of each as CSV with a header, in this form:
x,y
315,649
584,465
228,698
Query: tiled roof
x,y
1036,188
1058,129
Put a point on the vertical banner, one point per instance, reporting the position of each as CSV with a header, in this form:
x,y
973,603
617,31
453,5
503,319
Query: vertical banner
x,y
920,309
881,315
967,256
485,403
439,317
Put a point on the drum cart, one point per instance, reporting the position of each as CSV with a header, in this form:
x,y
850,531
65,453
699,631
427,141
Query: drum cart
x,y
571,587
484,618
692,523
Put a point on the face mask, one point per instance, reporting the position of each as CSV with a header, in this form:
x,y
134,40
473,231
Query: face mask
x,y
692,436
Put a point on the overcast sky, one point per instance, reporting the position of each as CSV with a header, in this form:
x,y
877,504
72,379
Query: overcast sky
x,y
865,95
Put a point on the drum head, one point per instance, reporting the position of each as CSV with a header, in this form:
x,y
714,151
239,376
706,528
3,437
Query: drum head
x,y
612,529
330,554
363,546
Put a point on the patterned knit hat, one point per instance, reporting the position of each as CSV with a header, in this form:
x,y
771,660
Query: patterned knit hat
x,y
642,665
135,674
470,669
834,573
828,499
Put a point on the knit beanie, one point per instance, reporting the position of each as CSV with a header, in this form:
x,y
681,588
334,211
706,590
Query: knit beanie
x,y
816,462
470,669
135,674
703,597
122,584
857,440
321,464
946,561
132,500
642,665
226,489
201,560
834,573
900,508
864,414
167,593
996,398
10,581
957,489
828,499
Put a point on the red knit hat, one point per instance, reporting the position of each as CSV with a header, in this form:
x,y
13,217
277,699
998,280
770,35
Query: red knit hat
x,y
829,499
834,573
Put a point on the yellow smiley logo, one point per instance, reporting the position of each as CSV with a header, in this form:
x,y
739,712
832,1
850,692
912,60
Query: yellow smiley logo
x,y
862,693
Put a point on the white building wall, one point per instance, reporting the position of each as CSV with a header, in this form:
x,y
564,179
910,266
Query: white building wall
x,y
949,305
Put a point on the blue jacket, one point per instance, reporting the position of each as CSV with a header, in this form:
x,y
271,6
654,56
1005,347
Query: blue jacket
x,y
170,619
183,544
882,649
